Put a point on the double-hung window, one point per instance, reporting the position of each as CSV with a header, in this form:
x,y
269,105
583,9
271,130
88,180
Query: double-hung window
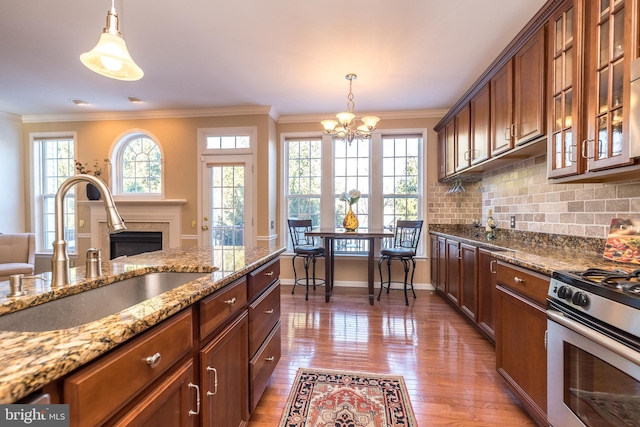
x,y
54,161
387,169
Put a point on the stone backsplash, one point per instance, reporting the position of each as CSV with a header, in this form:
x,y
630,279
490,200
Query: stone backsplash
x,y
539,205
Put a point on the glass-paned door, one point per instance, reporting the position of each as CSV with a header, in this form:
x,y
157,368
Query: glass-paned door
x,y
608,124
227,217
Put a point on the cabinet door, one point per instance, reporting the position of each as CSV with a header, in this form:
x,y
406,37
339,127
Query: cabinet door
x,y
468,280
450,132
442,265
607,143
433,259
173,403
565,97
480,107
442,152
521,356
487,264
502,109
224,376
529,93
463,138
452,285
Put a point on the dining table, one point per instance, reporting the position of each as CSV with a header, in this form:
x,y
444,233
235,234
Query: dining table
x,y
329,235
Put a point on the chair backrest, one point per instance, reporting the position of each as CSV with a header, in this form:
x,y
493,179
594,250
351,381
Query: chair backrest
x,y
407,234
297,230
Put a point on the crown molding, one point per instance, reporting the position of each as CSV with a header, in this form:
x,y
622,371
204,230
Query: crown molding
x,y
10,116
156,114
386,115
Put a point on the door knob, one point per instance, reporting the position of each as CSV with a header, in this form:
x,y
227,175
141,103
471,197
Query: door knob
x,y
205,227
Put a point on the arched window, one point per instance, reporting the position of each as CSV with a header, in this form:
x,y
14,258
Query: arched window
x,y
138,165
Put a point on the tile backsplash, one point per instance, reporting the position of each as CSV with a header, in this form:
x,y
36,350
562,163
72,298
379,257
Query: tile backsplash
x,y
539,205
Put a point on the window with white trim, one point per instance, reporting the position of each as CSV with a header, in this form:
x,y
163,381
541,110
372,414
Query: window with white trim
x,y
54,162
138,166
387,170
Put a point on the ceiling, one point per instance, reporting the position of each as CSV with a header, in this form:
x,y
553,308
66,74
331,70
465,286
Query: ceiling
x,y
292,55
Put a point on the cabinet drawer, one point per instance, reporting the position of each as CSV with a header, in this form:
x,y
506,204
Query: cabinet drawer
x,y
262,277
222,305
264,313
263,364
96,392
523,281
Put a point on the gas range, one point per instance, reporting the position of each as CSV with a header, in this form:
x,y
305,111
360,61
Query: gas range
x,y
610,297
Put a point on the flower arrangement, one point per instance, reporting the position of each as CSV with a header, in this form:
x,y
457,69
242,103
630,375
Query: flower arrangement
x,y
350,197
83,168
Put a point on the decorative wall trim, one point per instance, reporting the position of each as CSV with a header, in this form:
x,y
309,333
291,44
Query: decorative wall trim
x,y
388,115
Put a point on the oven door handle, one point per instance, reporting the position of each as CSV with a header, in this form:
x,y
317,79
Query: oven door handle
x,y
602,340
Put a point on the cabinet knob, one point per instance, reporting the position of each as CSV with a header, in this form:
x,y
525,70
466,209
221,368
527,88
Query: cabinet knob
x,y
197,411
518,280
270,359
269,311
231,301
270,273
154,360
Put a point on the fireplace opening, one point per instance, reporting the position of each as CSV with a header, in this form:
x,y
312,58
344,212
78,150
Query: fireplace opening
x,y
134,242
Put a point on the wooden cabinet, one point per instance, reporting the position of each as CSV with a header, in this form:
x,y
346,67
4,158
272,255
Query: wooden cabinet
x,y
480,109
450,148
468,280
529,89
442,153
566,59
487,280
521,356
121,376
452,260
224,376
462,144
502,109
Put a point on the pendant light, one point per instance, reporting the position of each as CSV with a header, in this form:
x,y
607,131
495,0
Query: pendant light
x,y
344,129
110,56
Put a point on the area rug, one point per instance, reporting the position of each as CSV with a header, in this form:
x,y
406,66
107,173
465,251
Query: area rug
x,y
323,398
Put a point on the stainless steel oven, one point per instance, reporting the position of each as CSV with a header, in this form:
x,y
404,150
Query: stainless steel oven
x,y
593,349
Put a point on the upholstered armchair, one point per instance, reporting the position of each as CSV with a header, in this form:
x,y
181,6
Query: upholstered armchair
x,y
17,254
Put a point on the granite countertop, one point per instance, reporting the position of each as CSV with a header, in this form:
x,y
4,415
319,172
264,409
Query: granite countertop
x,y
30,360
539,252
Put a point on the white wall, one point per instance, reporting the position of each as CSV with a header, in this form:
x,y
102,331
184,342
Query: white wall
x,y
12,191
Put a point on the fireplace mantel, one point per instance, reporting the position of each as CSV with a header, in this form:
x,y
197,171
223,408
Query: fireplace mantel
x,y
139,215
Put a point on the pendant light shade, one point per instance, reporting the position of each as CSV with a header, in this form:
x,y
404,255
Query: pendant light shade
x,y
110,56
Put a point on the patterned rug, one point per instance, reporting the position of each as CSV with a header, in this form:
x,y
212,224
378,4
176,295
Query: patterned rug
x,y
322,398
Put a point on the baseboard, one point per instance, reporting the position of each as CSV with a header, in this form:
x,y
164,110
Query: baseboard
x,y
359,284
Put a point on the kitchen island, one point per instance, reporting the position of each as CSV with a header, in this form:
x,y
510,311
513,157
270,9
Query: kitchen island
x,y
31,360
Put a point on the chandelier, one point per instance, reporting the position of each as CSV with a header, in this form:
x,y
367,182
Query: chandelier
x,y
110,56
343,129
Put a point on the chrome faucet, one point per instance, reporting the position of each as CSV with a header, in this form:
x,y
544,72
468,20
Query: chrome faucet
x,y
115,223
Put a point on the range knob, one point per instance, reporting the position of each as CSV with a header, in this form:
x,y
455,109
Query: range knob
x,y
580,299
564,292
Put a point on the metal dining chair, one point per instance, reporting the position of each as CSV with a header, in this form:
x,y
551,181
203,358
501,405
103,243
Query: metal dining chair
x,y
405,245
306,248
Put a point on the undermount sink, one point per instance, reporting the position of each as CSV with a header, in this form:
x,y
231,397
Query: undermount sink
x,y
95,304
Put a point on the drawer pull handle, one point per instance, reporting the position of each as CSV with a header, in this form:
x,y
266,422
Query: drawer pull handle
x,y
215,381
518,280
154,360
270,273
269,311
197,411
270,359
231,301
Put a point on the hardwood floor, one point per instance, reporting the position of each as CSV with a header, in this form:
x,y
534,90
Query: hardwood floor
x,y
449,367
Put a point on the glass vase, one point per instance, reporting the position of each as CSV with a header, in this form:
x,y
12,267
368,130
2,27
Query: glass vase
x,y
350,222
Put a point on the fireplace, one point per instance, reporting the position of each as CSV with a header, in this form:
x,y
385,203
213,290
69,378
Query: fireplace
x,y
134,242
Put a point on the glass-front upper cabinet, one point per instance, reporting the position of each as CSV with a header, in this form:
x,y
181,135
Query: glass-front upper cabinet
x,y
607,142
565,81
